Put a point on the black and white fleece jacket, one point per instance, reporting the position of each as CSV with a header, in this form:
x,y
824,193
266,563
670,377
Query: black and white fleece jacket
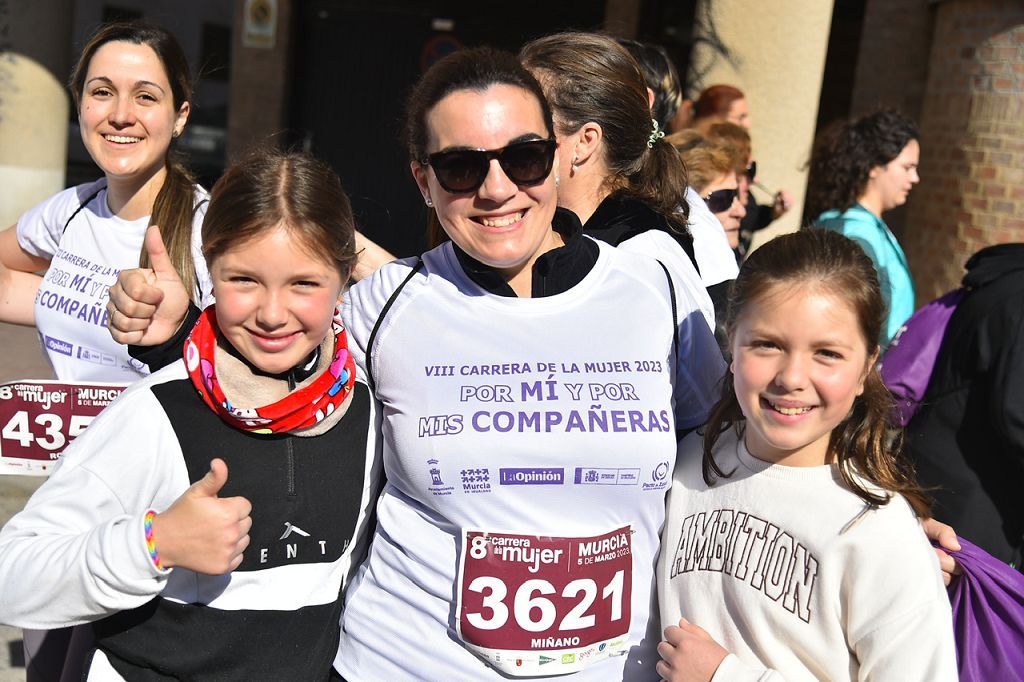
x,y
77,552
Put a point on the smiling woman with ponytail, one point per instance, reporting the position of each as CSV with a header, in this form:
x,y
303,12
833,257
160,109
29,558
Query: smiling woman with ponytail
x,y
132,89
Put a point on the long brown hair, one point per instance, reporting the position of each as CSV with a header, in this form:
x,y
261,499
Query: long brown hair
x,y
270,188
860,444
590,77
175,204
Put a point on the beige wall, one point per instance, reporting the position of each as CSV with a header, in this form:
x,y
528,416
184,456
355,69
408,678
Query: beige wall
x,y
34,104
777,57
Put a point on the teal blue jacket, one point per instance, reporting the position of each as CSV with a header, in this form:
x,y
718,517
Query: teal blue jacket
x,y
868,230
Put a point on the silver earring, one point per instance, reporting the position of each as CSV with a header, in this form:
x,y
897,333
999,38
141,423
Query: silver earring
x,y
558,180
574,167
428,201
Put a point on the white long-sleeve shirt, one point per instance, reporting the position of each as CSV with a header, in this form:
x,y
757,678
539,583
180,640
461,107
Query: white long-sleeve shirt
x,y
798,577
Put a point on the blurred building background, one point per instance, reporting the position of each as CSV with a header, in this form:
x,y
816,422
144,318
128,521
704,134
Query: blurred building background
x,y
331,75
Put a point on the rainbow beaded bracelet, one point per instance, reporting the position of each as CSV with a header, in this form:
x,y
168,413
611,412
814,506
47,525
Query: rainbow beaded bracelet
x,y
147,524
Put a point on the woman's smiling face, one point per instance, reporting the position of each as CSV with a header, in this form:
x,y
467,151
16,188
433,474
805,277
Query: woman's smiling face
x,y
126,111
501,224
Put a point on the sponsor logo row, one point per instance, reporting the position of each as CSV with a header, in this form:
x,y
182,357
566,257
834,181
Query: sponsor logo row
x,y
482,480
67,348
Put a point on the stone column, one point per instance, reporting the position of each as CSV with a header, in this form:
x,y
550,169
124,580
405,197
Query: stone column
x,y
775,53
259,78
35,42
972,142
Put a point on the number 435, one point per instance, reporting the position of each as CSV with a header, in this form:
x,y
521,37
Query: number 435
x,y
53,438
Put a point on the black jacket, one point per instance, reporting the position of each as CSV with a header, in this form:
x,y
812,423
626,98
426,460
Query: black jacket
x,y
968,437
620,217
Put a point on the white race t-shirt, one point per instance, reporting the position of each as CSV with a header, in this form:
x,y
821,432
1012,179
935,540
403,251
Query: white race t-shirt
x,y
85,258
660,245
528,446
715,257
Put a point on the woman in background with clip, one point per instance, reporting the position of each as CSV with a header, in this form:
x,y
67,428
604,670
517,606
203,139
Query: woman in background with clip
x,y
618,173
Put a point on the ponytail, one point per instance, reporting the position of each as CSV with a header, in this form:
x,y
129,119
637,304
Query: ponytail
x,y
174,212
590,77
661,183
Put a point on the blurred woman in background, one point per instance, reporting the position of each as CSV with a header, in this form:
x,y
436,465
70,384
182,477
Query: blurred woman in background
x,y
860,168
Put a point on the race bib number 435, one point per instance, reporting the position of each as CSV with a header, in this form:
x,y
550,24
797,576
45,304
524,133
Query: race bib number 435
x,y
38,419
541,605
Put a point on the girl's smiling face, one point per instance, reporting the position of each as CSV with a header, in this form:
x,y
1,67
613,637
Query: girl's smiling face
x,y
799,362
275,301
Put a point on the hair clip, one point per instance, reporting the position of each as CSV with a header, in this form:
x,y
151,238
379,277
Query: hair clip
x,y
656,134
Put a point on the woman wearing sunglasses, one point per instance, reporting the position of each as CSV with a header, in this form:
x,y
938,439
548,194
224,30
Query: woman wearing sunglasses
x,y
527,376
712,174
532,381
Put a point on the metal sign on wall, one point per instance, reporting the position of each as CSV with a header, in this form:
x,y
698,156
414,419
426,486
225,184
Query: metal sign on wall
x,y
259,23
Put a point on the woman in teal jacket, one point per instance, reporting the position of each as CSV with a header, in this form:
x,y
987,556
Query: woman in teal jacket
x,y
859,169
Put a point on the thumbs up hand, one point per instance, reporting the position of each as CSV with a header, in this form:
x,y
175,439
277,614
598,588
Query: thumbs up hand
x,y
147,305
201,531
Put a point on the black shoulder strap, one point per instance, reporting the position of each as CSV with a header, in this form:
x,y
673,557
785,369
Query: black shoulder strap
x,y
200,294
380,319
675,312
80,207
675,334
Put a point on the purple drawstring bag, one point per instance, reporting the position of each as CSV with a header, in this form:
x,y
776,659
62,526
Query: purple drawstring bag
x,y
988,617
907,365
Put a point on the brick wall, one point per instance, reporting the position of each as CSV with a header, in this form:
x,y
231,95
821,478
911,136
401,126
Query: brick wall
x,y
892,63
892,66
972,139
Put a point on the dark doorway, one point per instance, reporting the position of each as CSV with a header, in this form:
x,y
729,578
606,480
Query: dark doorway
x,y
670,23
354,65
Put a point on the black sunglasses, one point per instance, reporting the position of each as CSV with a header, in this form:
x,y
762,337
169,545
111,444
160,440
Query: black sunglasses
x,y
464,170
720,200
751,171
